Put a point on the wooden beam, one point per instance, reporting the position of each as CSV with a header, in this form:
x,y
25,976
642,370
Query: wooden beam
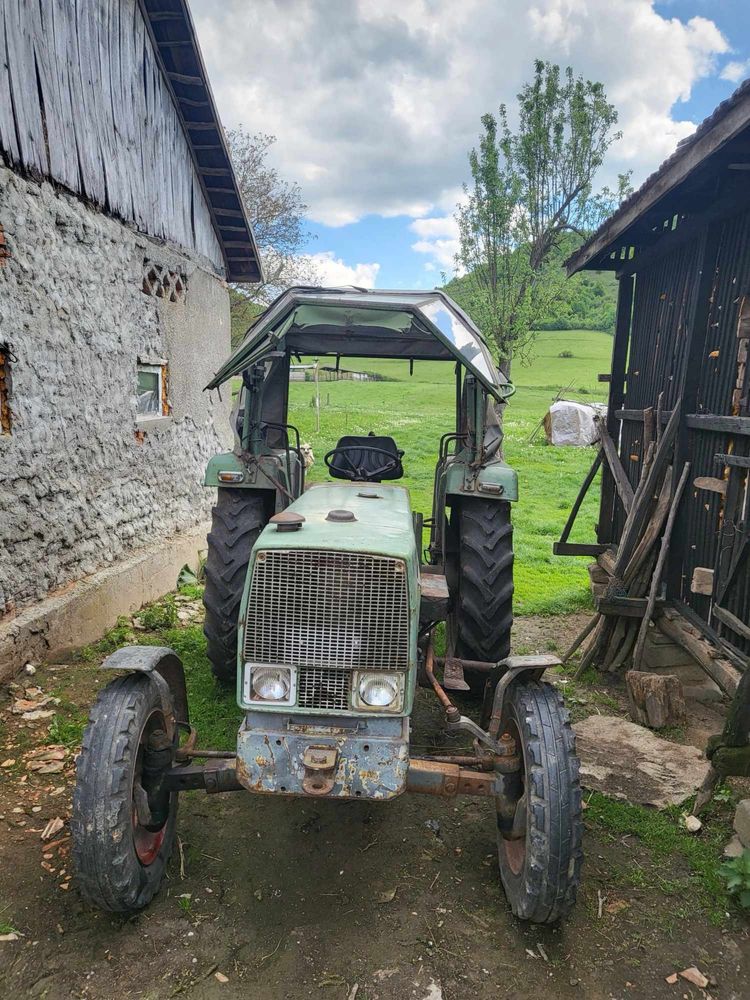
x,y
703,581
711,483
622,483
636,416
193,81
622,607
720,670
721,424
731,621
605,527
577,549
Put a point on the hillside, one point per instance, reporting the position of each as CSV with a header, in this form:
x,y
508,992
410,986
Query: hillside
x,y
588,300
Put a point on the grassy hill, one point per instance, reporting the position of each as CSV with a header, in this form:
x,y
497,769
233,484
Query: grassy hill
x,y
416,410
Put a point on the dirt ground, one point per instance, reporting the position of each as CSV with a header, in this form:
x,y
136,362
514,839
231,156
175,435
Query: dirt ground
x,y
286,899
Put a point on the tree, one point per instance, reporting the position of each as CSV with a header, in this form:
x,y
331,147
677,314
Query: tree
x,y
276,211
530,187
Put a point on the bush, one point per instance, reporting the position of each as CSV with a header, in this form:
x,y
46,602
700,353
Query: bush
x,y
566,354
737,874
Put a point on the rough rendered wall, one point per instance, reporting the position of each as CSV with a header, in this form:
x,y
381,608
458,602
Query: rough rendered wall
x,y
80,484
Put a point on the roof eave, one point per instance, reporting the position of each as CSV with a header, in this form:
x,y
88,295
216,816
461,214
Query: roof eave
x,y
195,105
726,122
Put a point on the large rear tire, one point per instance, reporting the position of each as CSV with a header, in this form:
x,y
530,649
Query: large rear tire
x,y
123,827
483,607
539,824
237,519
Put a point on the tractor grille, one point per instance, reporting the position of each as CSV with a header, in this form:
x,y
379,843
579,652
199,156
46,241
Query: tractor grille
x,y
341,610
327,689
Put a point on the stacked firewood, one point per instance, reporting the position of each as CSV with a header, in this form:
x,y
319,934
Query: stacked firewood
x,y
616,634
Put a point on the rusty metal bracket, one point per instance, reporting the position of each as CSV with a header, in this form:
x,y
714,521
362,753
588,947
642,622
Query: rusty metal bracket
x,y
320,769
429,777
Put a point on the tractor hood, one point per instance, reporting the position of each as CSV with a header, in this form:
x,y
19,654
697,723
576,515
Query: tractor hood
x,y
356,322
382,523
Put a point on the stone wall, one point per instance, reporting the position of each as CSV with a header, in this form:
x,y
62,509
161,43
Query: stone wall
x,y
82,483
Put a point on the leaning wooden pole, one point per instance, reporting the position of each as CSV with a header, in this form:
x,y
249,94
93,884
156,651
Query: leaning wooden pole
x,y
660,563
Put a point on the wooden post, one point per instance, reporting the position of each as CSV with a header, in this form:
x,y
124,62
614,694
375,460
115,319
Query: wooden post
x,y
605,532
688,393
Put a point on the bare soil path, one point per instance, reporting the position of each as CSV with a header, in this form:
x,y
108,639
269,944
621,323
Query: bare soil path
x,y
288,899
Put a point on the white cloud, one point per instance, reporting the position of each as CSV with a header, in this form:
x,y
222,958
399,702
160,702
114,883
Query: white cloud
x,y
736,71
375,106
331,270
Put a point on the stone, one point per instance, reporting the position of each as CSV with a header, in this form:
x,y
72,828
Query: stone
x,y
693,824
628,762
742,822
734,848
655,700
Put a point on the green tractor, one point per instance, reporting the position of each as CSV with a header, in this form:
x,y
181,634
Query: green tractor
x,y
322,606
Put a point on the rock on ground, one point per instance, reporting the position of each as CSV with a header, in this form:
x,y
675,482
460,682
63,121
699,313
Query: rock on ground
x,y
742,822
629,762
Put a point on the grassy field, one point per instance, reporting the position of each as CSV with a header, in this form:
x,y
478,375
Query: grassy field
x,y
416,410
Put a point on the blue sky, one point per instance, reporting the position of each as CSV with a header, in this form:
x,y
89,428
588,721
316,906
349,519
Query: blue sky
x,y
375,105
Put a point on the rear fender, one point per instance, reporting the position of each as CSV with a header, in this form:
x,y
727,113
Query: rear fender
x,y
164,669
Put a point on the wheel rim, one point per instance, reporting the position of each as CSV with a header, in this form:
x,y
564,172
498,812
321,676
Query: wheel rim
x,y
148,837
513,849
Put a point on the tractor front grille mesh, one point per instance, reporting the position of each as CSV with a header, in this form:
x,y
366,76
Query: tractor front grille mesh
x,y
344,610
328,689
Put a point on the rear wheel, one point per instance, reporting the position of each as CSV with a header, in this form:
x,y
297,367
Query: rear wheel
x,y
237,520
483,606
123,825
539,824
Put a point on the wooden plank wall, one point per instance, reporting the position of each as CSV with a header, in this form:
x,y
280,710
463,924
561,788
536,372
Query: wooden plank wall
x,y
83,102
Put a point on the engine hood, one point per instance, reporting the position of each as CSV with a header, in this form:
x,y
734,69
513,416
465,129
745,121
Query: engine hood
x,y
383,522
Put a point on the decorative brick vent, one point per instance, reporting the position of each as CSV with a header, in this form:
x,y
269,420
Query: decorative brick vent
x,y
162,283
4,251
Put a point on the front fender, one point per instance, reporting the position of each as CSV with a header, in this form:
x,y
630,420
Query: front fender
x,y
165,669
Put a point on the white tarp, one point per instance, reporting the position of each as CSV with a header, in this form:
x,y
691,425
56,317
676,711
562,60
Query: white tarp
x,y
570,423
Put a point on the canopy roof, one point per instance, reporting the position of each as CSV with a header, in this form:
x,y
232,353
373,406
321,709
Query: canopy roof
x,y
358,322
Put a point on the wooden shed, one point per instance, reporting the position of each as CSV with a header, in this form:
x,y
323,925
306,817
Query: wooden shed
x,y
680,247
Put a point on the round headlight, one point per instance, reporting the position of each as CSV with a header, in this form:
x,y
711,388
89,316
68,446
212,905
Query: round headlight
x,y
271,683
378,690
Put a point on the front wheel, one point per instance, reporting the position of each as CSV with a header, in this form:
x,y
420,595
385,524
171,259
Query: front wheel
x,y
539,824
123,825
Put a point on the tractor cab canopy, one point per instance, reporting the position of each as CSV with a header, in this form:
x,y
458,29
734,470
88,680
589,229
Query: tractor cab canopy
x,y
358,322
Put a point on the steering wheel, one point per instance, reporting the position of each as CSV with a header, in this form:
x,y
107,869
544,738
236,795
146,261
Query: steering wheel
x,y
360,474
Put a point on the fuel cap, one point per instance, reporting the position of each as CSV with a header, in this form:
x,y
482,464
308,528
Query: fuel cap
x,y
340,515
287,520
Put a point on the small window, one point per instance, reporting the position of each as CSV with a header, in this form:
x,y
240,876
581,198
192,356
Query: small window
x,y
152,391
5,414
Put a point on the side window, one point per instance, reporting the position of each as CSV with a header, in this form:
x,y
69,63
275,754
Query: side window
x,y
152,398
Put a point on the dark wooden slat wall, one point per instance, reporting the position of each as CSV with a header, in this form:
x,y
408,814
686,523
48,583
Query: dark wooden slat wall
x,y
83,102
685,312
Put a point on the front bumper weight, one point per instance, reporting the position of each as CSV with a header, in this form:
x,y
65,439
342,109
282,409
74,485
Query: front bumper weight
x,y
430,777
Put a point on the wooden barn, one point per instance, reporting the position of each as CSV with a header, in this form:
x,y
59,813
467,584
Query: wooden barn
x,y
121,223
677,427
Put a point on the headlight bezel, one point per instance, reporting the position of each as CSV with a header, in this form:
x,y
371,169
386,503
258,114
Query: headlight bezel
x,y
394,707
250,697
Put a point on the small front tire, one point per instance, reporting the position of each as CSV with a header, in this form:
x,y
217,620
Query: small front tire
x,y
123,827
539,821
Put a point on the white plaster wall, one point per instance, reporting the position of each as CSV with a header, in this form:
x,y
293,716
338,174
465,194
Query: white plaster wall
x,y
79,488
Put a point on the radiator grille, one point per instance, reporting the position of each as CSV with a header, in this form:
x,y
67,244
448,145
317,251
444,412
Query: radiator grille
x,y
328,609
327,689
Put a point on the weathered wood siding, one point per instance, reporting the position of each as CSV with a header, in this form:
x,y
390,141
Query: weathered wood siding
x,y
84,103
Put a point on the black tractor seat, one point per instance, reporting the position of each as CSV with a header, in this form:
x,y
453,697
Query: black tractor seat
x,y
369,459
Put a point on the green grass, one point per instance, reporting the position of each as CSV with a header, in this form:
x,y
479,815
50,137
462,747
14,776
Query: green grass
x,y
416,410
702,884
